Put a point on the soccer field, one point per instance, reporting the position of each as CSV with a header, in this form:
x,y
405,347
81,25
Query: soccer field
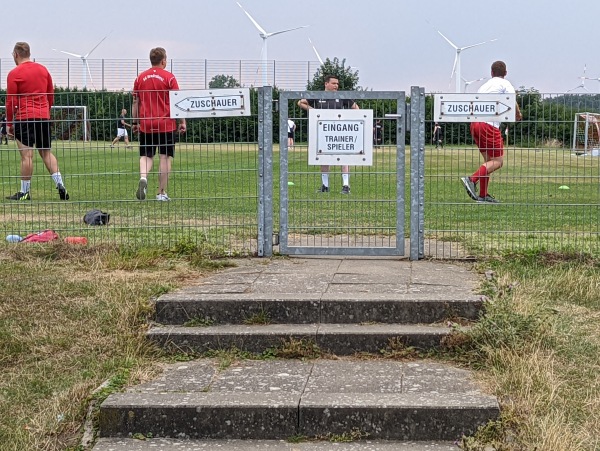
x,y
214,191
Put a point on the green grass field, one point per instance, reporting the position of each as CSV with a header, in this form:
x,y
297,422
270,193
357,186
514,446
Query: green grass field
x,y
214,191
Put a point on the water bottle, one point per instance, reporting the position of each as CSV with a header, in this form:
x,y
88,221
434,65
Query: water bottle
x,y
13,238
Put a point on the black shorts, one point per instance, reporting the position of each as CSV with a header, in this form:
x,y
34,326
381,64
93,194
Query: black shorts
x,y
291,135
33,133
165,142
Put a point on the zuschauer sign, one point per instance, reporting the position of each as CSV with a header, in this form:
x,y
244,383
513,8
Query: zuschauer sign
x,y
474,108
340,137
210,103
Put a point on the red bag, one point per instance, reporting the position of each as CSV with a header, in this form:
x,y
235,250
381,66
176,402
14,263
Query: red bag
x,y
41,237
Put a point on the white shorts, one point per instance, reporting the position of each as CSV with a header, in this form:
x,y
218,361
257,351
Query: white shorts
x,y
121,132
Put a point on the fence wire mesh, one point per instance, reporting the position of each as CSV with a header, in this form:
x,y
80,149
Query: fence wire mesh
x,y
548,187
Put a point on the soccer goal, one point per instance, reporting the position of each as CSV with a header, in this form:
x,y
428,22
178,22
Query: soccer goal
x,y
586,137
69,123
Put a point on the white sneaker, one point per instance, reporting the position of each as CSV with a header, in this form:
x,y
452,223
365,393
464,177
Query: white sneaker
x,y
163,197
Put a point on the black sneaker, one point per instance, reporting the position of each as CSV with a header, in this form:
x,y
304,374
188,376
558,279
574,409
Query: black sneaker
x,y
345,189
488,199
19,196
142,188
323,189
470,187
62,192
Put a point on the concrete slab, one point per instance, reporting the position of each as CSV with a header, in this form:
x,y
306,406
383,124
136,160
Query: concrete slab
x,y
163,444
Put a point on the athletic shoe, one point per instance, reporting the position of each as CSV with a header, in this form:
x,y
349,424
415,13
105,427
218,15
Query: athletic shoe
x,y
141,191
323,189
345,189
470,187
62,192
19,196
163,197
488,199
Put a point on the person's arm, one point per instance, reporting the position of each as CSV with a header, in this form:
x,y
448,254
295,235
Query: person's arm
x,y
50,91
11,96
518,114
355,106
135,113
303,103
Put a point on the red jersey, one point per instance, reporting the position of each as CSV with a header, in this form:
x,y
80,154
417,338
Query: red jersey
x,y
29,92
151,88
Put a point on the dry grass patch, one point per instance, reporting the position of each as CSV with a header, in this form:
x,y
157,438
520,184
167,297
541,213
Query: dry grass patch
x,y
71,318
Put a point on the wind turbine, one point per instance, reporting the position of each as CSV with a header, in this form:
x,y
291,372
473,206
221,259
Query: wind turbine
x,y
456,66
588,78
467,83
316,53
582,78
86,67
265,35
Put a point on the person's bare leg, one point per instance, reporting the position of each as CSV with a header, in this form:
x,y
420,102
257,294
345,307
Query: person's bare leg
x,y
163,173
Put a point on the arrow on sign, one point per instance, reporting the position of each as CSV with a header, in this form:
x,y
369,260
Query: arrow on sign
x,y
210,103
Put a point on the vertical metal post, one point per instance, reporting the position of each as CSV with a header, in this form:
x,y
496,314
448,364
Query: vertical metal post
x,y
417,172
265,171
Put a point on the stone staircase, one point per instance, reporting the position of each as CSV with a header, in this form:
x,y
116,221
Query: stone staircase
x,y
352,311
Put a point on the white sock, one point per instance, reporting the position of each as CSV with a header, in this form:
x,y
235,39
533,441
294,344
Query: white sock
x,y
346,179
25,186
57,178
325,179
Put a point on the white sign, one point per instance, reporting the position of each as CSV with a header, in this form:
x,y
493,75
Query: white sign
x,y
340,137
474,108
210,103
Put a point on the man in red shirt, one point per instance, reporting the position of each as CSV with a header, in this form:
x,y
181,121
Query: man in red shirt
x,y
29,96
152,117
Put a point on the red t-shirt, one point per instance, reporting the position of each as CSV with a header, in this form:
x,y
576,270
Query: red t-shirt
x,y
151,88
29,92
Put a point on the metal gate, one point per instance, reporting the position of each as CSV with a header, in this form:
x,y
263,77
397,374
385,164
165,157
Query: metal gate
x,y
371,220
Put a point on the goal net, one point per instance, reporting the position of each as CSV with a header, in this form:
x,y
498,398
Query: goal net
x,y
587,132
69,123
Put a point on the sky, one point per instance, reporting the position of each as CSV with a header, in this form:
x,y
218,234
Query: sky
x,y
394,44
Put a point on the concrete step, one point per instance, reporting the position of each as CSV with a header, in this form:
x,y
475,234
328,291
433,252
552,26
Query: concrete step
x,y
411,308
164,444
338,339
282,399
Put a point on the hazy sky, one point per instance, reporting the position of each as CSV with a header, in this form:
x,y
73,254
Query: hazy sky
x,y
392,43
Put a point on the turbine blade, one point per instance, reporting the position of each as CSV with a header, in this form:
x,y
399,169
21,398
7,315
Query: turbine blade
x,y
454,65
285,31
449,41
69,53
258,27
475,45
101,41
89,73
316,53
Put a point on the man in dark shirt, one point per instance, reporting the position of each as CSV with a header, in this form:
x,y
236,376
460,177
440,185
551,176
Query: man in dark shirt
x,y
331,84
3,133
122,130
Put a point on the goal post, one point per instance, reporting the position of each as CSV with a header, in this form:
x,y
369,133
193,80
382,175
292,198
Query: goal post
x,y
586,136
69,123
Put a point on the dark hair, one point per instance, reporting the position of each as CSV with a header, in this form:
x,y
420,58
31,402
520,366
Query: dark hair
x,y
327,78
22,49
498,69
157,55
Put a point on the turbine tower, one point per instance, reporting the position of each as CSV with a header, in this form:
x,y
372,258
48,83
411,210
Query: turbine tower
x,y
459,50
265,36
86,67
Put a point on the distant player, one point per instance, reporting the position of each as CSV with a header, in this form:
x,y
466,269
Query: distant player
x,y
122,130
3,132
29,97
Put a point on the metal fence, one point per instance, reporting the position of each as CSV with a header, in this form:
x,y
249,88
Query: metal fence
x,y
226,173
548,188
119,74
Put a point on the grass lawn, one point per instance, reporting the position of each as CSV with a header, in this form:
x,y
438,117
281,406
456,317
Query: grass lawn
x,y
215,198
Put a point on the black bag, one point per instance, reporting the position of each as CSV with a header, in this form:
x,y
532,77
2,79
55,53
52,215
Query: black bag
x,y
96,217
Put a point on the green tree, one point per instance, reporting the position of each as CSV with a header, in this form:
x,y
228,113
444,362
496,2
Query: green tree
x,y
347,77
223,81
